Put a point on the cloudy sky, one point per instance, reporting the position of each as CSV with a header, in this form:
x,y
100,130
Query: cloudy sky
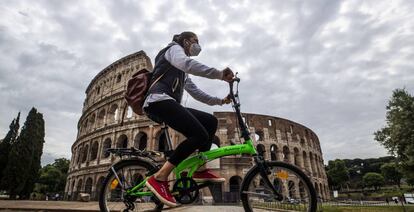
x,y
329,65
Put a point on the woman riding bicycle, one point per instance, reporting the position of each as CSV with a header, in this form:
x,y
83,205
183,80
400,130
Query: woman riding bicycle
x,y
172,66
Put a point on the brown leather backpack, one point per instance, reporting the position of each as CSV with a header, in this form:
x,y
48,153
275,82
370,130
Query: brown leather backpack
x,y
137,89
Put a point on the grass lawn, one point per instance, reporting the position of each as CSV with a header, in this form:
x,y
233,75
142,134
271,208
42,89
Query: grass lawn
x,y
367,209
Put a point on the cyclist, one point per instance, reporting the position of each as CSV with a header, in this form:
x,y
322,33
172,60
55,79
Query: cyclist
x,y
163,104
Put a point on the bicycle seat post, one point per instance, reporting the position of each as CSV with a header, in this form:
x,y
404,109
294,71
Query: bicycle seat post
x,y
164,128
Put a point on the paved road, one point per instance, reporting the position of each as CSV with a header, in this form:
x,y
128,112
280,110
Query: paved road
x,y
23,205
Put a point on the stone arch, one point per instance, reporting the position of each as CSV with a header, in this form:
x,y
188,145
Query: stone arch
x,y
106,145
286,154
140,141
94,150
129,113
79,186
113,114
234,183
302,142
88,185
85,125
92,121
302,190
291,189
99,184
161,141
312,164
261,150
122,141
306,162
118,78
85,153
298,158
259,135
101,118
317,190
273,152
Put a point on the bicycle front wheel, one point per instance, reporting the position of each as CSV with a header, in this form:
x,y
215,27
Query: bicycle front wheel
x,y
295,189
116,191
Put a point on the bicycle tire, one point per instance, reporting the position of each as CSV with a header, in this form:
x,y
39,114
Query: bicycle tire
x,y
274,165
150,167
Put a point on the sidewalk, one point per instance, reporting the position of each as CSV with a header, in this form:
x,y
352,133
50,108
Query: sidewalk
x,y
72,206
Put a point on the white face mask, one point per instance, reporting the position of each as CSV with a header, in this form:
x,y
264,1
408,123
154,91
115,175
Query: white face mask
x,y
195,49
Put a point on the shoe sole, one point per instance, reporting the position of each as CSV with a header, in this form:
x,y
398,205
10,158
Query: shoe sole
x,y
219,180
162,199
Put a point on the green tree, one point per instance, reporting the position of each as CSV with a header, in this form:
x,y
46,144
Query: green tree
x,y
337,173
6,144
22,169
391,173
372,179
53,176
398,134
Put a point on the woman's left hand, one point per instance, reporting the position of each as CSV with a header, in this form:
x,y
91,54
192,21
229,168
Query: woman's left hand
x,y
226,100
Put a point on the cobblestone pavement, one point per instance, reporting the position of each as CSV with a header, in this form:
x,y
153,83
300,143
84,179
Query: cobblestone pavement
x,y
23,205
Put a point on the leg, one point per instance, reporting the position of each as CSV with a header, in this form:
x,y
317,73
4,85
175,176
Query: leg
x,y
182,120
209,122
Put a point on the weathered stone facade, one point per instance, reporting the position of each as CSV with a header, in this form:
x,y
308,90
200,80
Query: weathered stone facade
x,y
99,128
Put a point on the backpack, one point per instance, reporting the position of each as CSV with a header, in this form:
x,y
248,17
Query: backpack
x,y
137,89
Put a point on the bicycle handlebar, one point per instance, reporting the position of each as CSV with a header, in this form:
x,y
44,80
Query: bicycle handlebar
x,y
236,104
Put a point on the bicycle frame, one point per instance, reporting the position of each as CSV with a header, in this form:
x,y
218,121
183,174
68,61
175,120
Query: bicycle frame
x,y
194,162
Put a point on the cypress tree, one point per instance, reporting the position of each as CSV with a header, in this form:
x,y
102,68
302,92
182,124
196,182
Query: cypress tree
x,y
6,144
24,158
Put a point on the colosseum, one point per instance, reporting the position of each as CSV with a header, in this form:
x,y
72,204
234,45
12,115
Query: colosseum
x,y
99,128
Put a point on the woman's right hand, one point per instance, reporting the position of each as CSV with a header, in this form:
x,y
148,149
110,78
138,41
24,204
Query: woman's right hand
x,y
228,75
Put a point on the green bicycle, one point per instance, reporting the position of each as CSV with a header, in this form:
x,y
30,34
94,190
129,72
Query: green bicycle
x,y
266,186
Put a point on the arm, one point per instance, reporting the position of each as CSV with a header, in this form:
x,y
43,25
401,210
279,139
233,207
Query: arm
x,y
199,95
177,57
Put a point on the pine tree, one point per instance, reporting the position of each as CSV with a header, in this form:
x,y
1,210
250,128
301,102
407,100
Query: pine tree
x,y
6,144
24,158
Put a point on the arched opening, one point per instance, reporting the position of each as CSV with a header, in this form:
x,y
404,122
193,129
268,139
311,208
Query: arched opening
x,y
234,187
85,153
302,191
302,142
140,141
122,141
261,150
312,163
291,189
99,186
317,190
79,155
113,113
101,118
88,186
306,162
273,150
92,121
321,190
286,154
297,156
216,140
129,112
118,78
94,150
161,141
106,145
79,186
259,136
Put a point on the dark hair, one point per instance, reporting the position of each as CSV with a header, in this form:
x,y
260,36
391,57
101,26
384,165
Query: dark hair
x,y
179,38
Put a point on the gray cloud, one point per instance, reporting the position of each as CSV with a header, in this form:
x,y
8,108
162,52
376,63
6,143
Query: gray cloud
x,y
330,65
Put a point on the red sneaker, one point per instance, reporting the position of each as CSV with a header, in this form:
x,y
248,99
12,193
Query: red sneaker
x,y
207,175
161,191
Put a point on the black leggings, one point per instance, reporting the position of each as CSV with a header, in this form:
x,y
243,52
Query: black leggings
x,y
197,126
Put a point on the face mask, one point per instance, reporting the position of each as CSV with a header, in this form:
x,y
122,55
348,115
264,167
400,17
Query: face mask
x,y
195,49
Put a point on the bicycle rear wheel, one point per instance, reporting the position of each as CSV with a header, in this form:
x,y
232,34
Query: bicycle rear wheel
x,y
114,197
295,187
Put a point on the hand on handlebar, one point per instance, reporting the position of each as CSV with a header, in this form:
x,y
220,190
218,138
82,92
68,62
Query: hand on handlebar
x,y
226,100
228,75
